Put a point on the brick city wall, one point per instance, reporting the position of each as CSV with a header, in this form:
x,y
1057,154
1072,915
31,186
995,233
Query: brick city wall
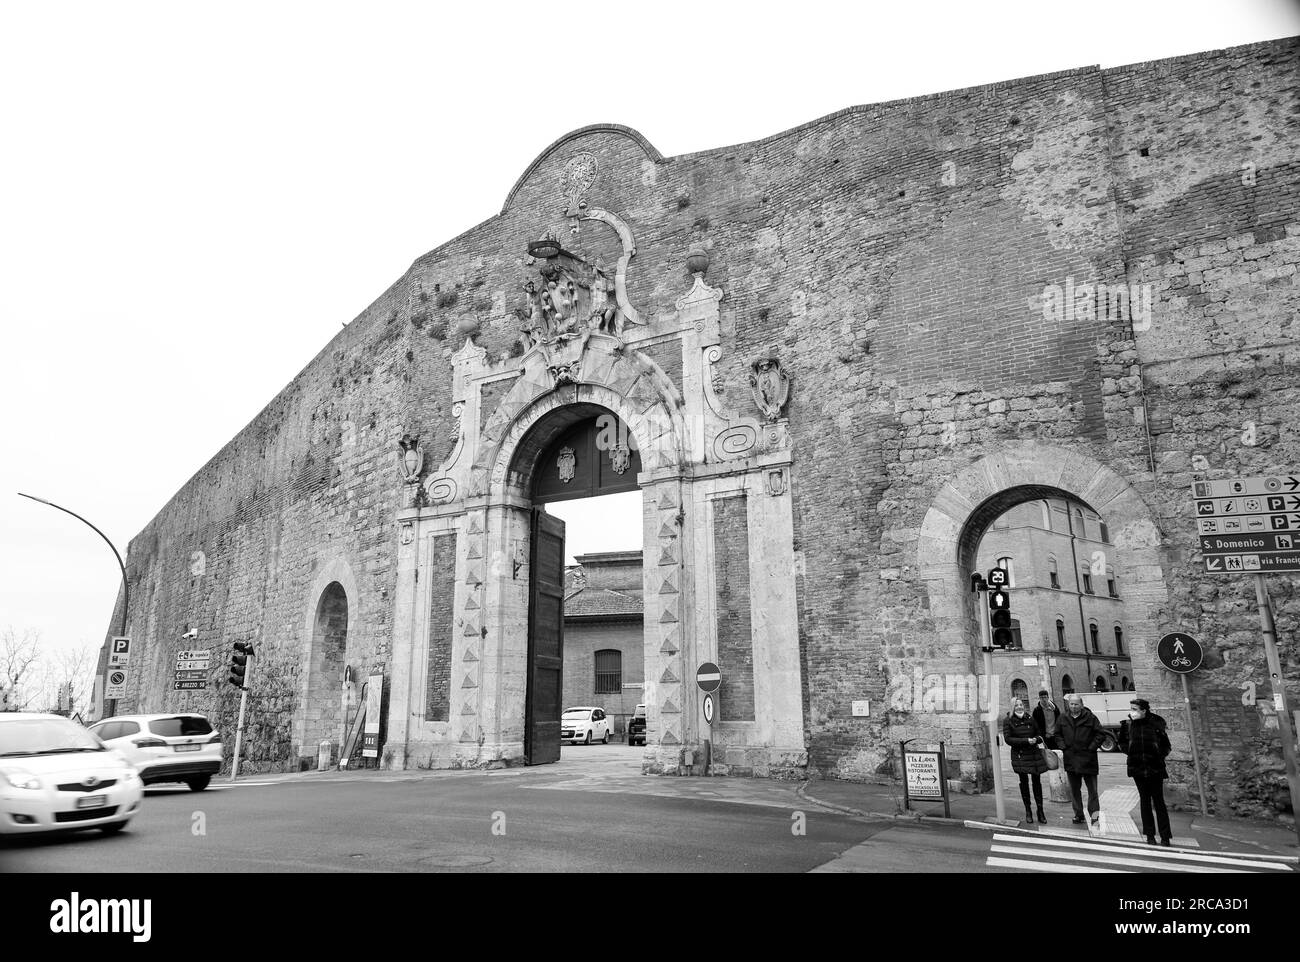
x,y
896,257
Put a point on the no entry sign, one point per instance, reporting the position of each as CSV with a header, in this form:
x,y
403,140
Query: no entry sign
x,y
708,677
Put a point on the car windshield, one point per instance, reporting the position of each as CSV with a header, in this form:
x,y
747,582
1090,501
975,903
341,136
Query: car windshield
x,y
640,712
577,713
45,736
180,725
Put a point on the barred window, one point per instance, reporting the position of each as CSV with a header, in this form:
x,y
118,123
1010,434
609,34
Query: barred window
x,y
609,672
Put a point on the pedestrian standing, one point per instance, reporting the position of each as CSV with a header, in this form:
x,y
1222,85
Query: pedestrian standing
x,y
1026,740
1045,712
1143,737
1080,734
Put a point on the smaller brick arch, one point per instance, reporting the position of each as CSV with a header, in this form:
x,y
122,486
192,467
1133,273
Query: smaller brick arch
x,y
332,598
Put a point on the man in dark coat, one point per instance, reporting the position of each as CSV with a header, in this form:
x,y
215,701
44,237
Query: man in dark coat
x,y
1144,739
1045,712
1080,734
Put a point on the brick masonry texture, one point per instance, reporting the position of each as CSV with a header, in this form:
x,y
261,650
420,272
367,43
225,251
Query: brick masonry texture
x,y
437,704
895,257
731,577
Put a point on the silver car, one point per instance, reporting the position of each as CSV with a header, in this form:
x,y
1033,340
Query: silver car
x,y
165,748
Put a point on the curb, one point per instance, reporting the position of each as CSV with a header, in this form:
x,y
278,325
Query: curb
x,y
801,791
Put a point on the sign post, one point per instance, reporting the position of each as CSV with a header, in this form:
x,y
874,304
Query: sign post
x,y
1252,525
709,679
1182,654
1278,684
986,643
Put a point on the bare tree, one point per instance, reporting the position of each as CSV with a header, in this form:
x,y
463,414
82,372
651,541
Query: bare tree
x,y
75,669
21,670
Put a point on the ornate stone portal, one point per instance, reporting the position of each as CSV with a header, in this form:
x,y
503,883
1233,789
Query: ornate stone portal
x,y
717,525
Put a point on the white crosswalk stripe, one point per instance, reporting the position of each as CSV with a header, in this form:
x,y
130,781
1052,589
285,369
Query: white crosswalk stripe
x,y
1035,853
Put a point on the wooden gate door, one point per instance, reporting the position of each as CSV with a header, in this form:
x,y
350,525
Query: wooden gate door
x,y
545,641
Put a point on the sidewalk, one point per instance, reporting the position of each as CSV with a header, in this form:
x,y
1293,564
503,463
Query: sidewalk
x,y
1120,819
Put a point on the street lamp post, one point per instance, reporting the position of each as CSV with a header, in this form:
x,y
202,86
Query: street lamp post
x,y
126,588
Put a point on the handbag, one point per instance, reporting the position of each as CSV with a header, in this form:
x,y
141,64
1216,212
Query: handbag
x,y
1049,757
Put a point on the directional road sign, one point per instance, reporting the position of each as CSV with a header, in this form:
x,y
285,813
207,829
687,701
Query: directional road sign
x,y
189,685
1268,484
923,775
1249,524
190,675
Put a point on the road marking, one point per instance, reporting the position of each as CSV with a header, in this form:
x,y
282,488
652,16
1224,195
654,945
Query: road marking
x,y
1048,867
1111,860
1147,852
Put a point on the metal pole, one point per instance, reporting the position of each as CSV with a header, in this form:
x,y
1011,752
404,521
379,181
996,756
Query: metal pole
x,y
1191,735
943,780
126,587
902,754
995,754
239,728
1279,696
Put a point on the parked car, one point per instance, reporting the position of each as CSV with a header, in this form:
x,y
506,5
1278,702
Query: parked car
x,y
56,776
636,727
165,748
585,724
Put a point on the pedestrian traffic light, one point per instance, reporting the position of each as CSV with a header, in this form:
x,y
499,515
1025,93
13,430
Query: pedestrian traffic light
x,y
1000,618
239,663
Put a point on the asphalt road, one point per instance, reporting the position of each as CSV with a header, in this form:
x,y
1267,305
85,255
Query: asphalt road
x,y
445,822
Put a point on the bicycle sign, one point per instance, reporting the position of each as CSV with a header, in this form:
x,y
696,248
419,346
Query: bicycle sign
x,y
1179,652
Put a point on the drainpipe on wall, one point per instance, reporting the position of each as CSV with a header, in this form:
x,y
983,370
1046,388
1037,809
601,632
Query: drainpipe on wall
x,y
1078,587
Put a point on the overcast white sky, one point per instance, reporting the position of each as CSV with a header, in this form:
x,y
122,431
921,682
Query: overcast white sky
x,y
194,198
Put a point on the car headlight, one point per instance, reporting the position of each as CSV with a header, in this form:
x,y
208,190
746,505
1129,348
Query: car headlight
x,y
21,779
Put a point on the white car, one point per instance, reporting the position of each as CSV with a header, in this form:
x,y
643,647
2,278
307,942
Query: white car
x,y
56,776
165,748
586,725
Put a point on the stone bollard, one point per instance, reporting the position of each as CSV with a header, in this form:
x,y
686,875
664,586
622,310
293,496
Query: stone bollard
x,y
323,756
1057,782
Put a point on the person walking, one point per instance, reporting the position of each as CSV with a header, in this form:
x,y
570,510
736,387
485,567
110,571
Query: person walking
x,y
1080,734
1144,738
1026,740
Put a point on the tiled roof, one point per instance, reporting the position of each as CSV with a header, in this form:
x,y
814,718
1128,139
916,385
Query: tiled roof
x,y
593,602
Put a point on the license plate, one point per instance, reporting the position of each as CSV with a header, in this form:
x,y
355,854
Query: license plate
x,y
187,748
92,801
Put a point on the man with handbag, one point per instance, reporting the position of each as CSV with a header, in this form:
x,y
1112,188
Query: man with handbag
x,y
1080,734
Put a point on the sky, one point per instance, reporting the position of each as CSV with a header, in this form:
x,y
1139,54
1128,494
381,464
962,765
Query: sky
x,y
195,197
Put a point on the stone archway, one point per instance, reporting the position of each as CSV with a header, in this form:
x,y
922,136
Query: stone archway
x,y
964,508
328,630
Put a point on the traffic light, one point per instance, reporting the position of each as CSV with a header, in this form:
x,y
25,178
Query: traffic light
x,y
239,663
1000,617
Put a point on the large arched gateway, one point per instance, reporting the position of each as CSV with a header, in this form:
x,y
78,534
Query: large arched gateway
x,y
478,567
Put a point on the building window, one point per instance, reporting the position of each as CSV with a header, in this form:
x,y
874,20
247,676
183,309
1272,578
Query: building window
x,y
1101,683
1053,576
1060,635
1020,690
1015,634
1095,638
1111,587
609,672
1105,532
1006,564
1087,581
1124,682
1119,640
1067,685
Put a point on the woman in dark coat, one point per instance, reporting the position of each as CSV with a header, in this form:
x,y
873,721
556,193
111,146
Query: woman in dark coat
x,y
1144,739
1026,740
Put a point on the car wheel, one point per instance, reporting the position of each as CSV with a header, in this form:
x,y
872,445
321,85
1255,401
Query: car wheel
x,y
605,740
198,782
114,828
586,740
1109,745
